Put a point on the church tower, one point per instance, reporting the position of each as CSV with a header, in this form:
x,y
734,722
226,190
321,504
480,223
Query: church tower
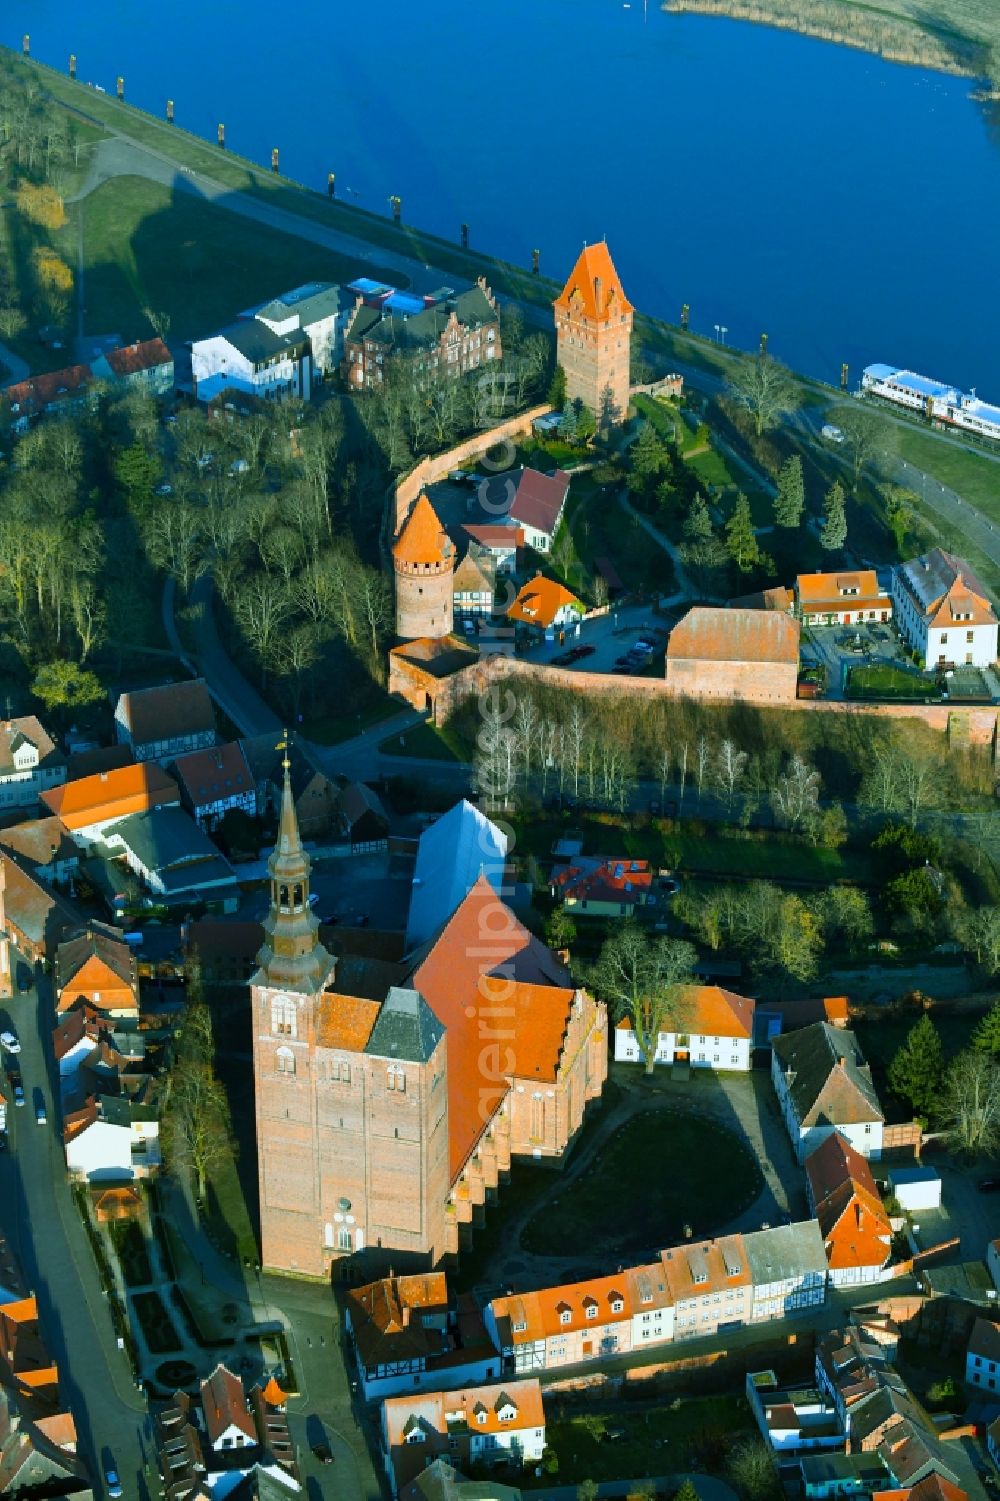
x,y
594,334
294,971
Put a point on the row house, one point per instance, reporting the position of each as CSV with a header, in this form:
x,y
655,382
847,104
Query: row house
x,y
406,1333
476,1426
226,1441
712,1028
453,337
824,1085
844,1197
691,1291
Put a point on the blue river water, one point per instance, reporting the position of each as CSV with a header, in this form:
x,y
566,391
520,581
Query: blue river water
x,y
848,206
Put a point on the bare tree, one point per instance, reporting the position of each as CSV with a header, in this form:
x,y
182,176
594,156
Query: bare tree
x,y
703,760
970,1105
645,982
730,769
795,798
766,389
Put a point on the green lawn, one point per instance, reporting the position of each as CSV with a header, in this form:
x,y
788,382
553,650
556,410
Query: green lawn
x,y
146,246
225,1218
661,1172
686,1433
715,854
884,680
329,724
600,528
425,742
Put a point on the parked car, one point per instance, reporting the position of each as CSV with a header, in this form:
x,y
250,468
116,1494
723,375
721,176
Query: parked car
x,y
18,1092
322,1452
9,1042
111,1481
23,980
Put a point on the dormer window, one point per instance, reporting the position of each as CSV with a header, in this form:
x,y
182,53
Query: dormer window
x,y
617,1305
565,1313
590,1308
481,1415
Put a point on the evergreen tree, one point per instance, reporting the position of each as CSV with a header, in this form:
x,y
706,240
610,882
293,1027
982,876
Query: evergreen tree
x,y
697,522
741,541
686,1492
834,533
986,1037
649,456
790,500
916,1072
557,388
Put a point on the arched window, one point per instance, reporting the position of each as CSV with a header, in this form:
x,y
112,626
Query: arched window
x,y
283,1017
285,1061
396,1077
282,896
298,898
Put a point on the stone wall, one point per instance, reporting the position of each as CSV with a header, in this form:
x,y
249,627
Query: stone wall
x,y
438,466
974,725
744,682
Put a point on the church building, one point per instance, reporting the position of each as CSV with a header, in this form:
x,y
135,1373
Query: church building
x,y
390,1098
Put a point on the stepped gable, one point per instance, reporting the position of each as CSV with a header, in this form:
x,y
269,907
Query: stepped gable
x,y
594,287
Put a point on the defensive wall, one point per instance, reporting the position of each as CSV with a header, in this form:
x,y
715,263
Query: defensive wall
x,y
440,696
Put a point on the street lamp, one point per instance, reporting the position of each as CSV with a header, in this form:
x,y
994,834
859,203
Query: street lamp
x,y
717,327
724,331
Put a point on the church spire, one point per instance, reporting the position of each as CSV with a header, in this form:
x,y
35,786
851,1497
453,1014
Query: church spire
x,y
292,957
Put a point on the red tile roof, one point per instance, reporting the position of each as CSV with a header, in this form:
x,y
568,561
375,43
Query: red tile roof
x,y
136,357
210,776
484,954
34,395
540,601
495,535
110,795
167,712
224,1404
422,541
539,499
604,880
710,634
594,286
852,1219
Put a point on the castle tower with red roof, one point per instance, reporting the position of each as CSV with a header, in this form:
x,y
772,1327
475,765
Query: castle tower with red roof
x,y
594,335
423,560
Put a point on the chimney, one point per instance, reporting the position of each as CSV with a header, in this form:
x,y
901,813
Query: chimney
x,y
841,1061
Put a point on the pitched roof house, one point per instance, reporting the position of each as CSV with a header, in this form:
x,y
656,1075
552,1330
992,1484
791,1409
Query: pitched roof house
x,y
841,598
146,366
823,1085
544,604
844,1197
214,782
30,762
43,847
406,1336
711,1028
36,919
229,1423
88,807
944,611
746,655
603,886
174,858
30,398
162,723
486,1425
96,968
529,500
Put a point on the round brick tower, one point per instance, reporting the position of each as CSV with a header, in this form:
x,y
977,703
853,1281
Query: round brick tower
x,y
423,559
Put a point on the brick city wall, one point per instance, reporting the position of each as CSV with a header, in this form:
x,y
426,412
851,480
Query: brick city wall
x,y
438,466
748,682
441,696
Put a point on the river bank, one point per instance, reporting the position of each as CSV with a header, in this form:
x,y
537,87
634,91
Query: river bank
x,y
896,31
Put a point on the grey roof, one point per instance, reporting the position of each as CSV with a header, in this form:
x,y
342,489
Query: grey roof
x,y
169,842
932,575
259,1485
309,303
257,343
786,1251
472,309
451,855
406,1028
820,1469
827,1077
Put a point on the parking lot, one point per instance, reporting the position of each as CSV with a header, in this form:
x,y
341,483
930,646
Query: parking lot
x,y
837,648
601,642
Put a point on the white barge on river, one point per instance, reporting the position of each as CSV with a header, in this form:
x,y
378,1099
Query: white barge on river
x,y
941,404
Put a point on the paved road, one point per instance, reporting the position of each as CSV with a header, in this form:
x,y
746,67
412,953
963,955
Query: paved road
x,y
238,698
38,1214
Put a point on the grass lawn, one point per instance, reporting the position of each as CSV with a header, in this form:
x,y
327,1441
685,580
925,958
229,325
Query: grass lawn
x,y
147,246
225,1216
884,680
600,528
425,742
155,1322
328,726
714,854
975,476
662,1171
688,1433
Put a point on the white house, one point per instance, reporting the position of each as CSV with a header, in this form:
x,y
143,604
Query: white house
x,y
787,1269
314,310
248,356
484,1425
528,500
915,1188
714,1029
944,612
174,857
982,1356
29,763
823,1085
107,1142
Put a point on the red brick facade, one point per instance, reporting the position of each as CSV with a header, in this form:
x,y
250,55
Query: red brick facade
x,y
593,335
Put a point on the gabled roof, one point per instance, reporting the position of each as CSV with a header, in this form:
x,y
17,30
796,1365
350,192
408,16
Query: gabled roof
x,y
841,591
406,1028
96,956
935,576
456,976
224,1404
598,878
388,1318
423,541
711,634
985,1340
594,286
540,600
40,842
133,358
538,499
477,1409
828,1081
346,1022
29,397
110,795
475,575
14,732
32,908
257,343
702,1267
711,1012
452,854
784,1252
525,1318
209,776
167,712
495,535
